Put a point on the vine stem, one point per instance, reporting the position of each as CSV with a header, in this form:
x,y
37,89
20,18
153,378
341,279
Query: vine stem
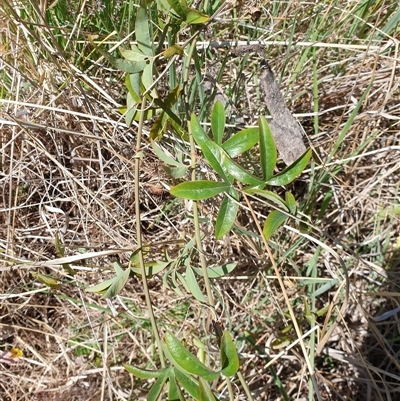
x,y
139,235
193,157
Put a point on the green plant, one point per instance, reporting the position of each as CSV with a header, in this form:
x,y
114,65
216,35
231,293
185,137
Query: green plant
x,y
216,252
219,154
222,153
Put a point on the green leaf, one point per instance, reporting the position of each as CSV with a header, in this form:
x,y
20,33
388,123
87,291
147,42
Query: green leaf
x,y
205,391
217,271
172,96
121,64
389,212
147,80
179,129
155,391
188,383
152,268
199,190
229,356
132,82
180,7
117,285
133,54
173,284
142,32
143,373
226,215
197,131
194,16
131,109
118,269
112,285
164,157
271,196
239,173
165,106
135,256
193,285
176,172
291,172
274,220
174,392
325,203
101,287
267,149
128,66
241,142
326,287
218,121
349,122
215,155
183,281
291,202
159,127
181,357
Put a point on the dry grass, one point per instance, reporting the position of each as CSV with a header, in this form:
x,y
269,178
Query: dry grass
x,y
67,176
